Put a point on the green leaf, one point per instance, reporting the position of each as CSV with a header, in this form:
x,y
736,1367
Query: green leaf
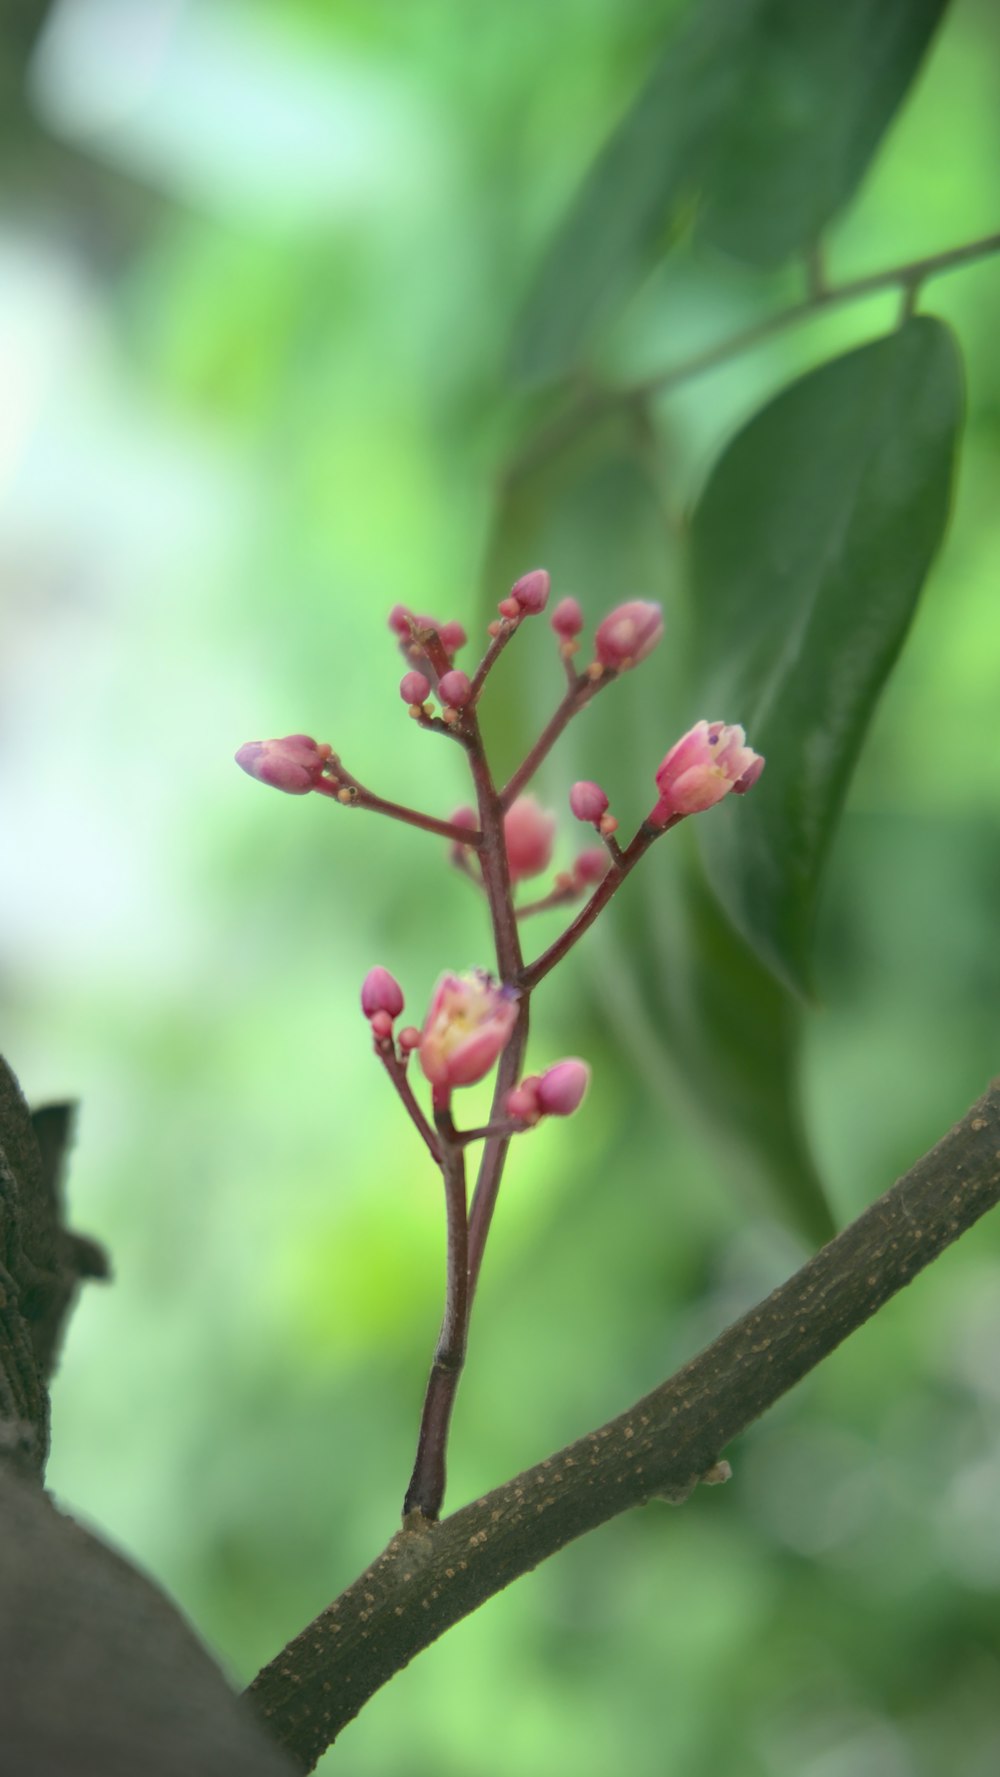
x,y
760,116
820,85
697,1010
811,543
634,195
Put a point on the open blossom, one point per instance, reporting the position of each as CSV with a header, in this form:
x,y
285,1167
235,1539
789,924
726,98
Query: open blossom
x,y
703,766
529,833
469,1022
294,764
628,634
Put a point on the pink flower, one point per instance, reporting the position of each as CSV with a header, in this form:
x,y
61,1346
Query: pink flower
x,y
381,992
414,688
561,1088
452,637
522,1101
469,1022
628,634
556,1093
294,764
588,801
591,866
455,688
703,766
531,592
529,834
567,619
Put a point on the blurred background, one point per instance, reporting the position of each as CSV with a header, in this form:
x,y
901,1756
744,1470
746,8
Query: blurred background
x,y
259,267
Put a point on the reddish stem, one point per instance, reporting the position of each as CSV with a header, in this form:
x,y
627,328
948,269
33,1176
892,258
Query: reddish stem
x,y
537,971
426,1489
397,1073
351,794
579,692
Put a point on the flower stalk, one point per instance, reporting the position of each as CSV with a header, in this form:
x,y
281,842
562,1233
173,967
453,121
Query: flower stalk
x,y
479,1020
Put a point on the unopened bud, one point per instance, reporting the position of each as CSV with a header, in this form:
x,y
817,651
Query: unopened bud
x,y
381,1024
588,802
509,607
591,866
455,688
414,688
529,835
381,992
409,1038
628,634
531,592
567,619
452,637
294,764
522,1101
561,1088
400,619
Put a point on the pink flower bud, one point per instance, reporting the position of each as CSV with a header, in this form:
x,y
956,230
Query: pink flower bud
x,y
414,688
531,592
452,637
409,1038
529,834
469,1022
567,619
294,764
455,688
703,766
465,817
561,1088
522,1101
381,992
381,1024
628,634
400,618
509,607
588,802
591,866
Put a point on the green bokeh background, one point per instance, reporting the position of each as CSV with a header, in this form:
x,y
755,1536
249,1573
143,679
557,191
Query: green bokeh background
x,y
258,268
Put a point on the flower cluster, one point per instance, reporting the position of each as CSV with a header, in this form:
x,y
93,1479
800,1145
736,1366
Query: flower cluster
x,y
477,1020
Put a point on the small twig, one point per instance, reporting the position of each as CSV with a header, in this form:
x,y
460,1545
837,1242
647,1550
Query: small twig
x,y
557,897
595,402
580,690
350,794
609,885
397,1073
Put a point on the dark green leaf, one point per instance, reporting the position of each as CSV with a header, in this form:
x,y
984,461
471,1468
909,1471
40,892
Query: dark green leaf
x,y
811,544
761,115
687,992
633,196
820,84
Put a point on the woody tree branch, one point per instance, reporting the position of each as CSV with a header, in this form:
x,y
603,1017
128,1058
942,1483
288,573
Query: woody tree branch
x,y
432,1575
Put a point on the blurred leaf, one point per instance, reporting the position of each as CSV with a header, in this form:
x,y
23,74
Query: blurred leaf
x,y
819,88
762,113
593,514
811,542
689,997
634,193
